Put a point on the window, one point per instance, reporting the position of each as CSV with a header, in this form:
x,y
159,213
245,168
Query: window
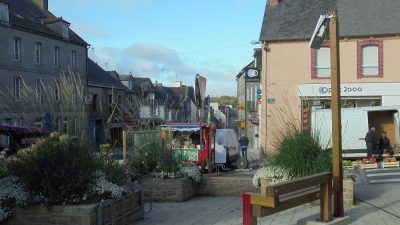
x,y
17,88
110,99
38,90
57,91
73,59
38,122
119,100
65,30
73,126
57,124
369,59
17,49
65,126
4,16
56,56
323,62
38,50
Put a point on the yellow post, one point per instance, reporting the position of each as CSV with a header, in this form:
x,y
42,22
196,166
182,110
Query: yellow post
x,y
336,118
124,146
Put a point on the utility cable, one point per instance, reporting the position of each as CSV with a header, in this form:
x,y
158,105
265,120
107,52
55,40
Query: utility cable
x,y
377,207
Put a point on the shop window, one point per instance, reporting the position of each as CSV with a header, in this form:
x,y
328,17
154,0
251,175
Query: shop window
x,y
369,59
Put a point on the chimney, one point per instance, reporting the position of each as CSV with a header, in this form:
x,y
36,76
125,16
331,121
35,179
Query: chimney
x,y
273,3
43,4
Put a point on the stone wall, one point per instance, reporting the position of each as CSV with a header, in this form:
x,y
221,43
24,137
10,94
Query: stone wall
x,y
56,215
225,186
348,193
176,190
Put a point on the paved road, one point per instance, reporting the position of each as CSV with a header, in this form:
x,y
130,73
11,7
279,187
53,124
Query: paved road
x,y
227,210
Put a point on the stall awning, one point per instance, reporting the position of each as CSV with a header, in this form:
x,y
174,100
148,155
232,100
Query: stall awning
x,y
184,127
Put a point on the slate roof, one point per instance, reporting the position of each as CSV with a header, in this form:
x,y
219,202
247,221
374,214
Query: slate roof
x,y
296,19
26,15
143,83
97,76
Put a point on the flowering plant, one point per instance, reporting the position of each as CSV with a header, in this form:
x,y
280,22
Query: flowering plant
x,y
12,193
273,174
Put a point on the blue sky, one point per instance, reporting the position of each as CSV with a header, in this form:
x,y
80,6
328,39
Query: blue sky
x,y
169,40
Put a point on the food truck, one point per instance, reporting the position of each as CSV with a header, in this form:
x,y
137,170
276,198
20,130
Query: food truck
x,y
193,142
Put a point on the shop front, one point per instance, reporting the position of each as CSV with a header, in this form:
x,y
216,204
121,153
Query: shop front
x,y
354,95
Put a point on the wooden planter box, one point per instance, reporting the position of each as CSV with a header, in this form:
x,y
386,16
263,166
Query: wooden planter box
x,y
369,166
390,164
122,211
168,190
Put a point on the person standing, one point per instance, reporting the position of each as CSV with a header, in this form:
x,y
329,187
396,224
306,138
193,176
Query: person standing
x,y
370,140
244,142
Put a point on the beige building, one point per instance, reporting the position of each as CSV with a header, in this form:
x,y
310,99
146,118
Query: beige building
x,y
297,78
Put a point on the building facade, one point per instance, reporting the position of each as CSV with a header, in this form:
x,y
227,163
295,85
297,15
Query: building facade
x,y
249,94
42,68
297,78
107,105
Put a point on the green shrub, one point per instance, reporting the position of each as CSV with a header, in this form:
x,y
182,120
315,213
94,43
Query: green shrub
x,y
300,153
56,168
146,157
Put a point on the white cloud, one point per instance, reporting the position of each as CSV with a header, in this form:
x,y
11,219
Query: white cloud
x,y
160,62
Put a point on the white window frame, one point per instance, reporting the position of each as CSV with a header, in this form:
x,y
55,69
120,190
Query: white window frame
x,y
38,53
369,66
17,49
38,90
56,56
318,60
17,88
73,59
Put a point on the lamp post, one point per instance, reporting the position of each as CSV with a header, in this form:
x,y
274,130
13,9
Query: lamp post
x,y
319,35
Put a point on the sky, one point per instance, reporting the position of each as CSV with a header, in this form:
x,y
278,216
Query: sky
x,y
169,40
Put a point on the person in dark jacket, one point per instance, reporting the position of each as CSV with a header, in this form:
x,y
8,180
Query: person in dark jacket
x,y
244,142
370,140
384,143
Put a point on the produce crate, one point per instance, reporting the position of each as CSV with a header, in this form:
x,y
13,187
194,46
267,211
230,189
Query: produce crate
x,y
369,166
390,164
349,167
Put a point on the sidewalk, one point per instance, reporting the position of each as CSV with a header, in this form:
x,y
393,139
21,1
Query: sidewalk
x,y
228,210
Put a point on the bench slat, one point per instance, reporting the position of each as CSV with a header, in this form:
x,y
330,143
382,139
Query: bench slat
x,y
283,198
264,201
300,183
259,211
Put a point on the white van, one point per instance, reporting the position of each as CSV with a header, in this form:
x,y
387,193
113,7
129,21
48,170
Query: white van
x,y
355,124
226,147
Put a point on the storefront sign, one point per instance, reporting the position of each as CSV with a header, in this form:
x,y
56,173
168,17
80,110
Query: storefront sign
x,y
252,75
351,89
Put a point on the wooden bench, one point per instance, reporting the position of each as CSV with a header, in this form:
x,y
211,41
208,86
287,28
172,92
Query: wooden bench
x,y
286,195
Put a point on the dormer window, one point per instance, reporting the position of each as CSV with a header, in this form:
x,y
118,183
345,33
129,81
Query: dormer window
x,y
4,16
65,30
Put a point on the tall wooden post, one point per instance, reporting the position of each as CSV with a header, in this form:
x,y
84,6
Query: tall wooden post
x,y
338,209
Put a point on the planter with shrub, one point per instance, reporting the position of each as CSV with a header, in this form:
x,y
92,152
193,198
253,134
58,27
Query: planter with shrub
x,y
62,176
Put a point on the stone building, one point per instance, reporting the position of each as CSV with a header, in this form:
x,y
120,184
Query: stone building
x,y
249,98
42,68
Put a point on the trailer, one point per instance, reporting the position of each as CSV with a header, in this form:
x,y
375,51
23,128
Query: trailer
x,y
192,142
355,124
